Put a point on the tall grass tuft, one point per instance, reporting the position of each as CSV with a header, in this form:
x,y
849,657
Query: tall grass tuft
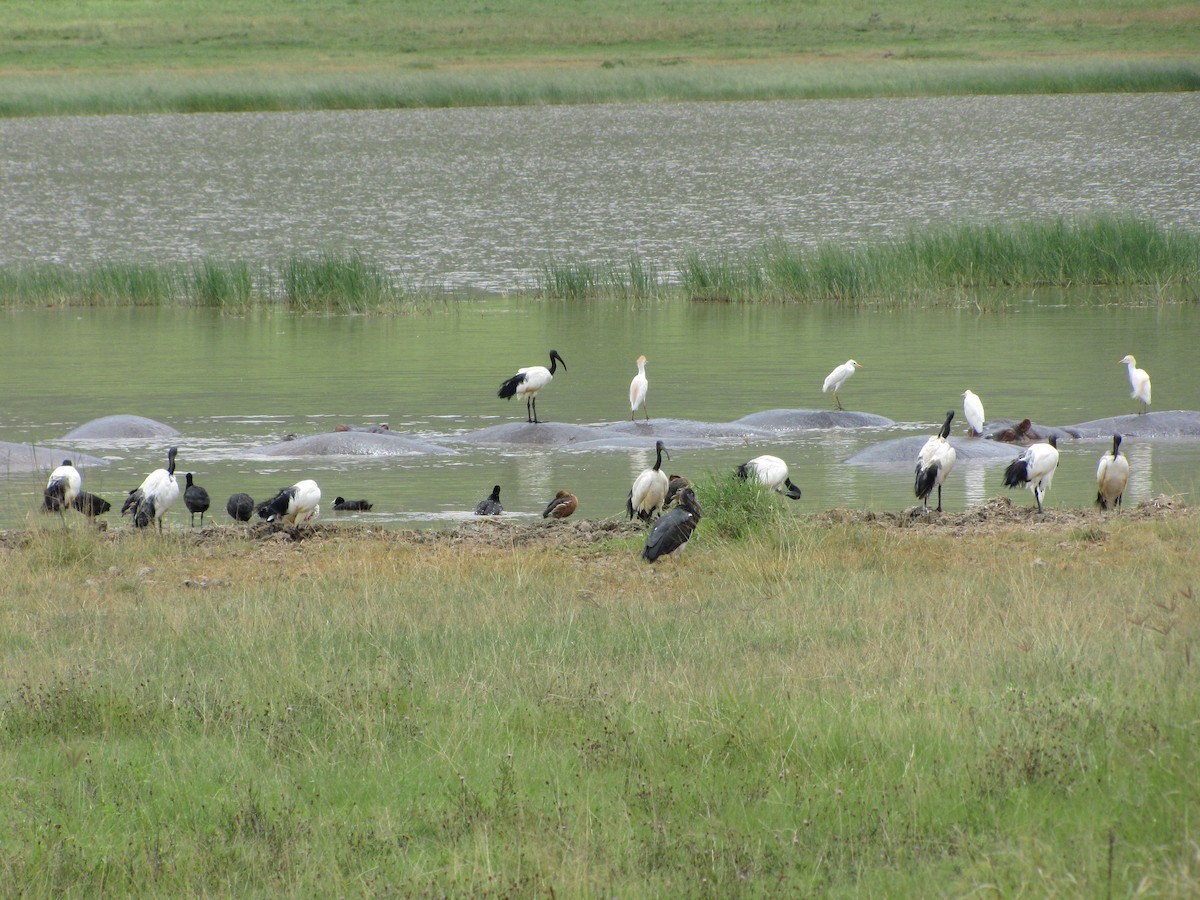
x,y
736,509
224,286
635,280
333,282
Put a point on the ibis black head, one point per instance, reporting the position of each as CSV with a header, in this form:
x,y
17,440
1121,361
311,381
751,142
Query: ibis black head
x,y
1053,440
171,459
1117,438
66,462
554,356
946,428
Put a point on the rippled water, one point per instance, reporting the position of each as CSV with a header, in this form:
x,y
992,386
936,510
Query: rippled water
x,y
485,197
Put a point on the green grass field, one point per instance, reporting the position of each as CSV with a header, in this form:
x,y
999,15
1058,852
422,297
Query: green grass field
x,y
815,707
195,55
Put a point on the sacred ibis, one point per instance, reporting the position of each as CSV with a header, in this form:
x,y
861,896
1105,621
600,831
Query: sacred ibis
x,y
528,381
934,463
1111,476
649,490
295,505
151,500
772,472
1034,469
62,488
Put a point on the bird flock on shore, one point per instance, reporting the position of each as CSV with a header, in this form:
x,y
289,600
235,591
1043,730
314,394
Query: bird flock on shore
x,y
667,502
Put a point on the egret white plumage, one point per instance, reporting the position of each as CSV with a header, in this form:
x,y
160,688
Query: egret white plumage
x,y
563,504
973,413
528,381
637,390
1139,380
490,505
62,488
1111,476
934,463
195,498
295,505
341,504
240,507
835,379
1034,469
650,488
151,500
772,472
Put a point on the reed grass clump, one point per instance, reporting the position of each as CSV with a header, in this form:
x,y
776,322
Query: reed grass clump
x,y
332,282
736,509
637,279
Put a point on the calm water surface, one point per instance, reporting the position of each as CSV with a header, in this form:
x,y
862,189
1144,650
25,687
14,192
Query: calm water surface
x,y
234,385
485,197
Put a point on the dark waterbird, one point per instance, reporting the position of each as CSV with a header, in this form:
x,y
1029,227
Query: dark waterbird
x,y
195,498
91,505
240,507
528,381
674,528
490,505
341,504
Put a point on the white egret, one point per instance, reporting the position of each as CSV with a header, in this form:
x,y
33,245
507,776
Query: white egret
x,y
772,472
934,463
62,488
835,379
151,500
1139,380
674,528
195,498
1034,469
637,390
528,381
1111,476
490,505
649,490
295,505
563,504
973,413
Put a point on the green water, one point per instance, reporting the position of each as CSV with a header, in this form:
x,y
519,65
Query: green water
x,y
231,385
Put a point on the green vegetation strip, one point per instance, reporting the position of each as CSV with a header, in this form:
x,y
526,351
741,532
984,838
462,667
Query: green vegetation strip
x,y
98,56
810,707
941,266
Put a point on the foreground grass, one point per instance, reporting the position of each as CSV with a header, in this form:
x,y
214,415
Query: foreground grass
x,y
940,266
97,56
818,708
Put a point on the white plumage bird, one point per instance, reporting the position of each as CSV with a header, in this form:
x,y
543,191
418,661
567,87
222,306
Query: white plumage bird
x,y
1034,469
1139,380
295,505
772,472
528,381
151,500
973,413
934,462
1111,476
637,390
835,379
62,488
649,489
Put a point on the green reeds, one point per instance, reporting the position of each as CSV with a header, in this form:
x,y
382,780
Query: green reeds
x,y
635,280
334,282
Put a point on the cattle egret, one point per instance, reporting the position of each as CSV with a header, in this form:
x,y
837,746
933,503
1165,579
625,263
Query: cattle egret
x,y
637,390
934,463
1111,476
973,413
490,505
772,472
561,506
151,500
1034,469
1139,380
835,379
674,528
528,381
649,490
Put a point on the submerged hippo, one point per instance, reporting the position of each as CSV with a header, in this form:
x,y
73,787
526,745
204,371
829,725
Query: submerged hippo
x,y
120,427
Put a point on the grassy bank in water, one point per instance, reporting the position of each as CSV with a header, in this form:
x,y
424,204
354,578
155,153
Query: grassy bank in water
x,y
817,707
948,266
102,56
